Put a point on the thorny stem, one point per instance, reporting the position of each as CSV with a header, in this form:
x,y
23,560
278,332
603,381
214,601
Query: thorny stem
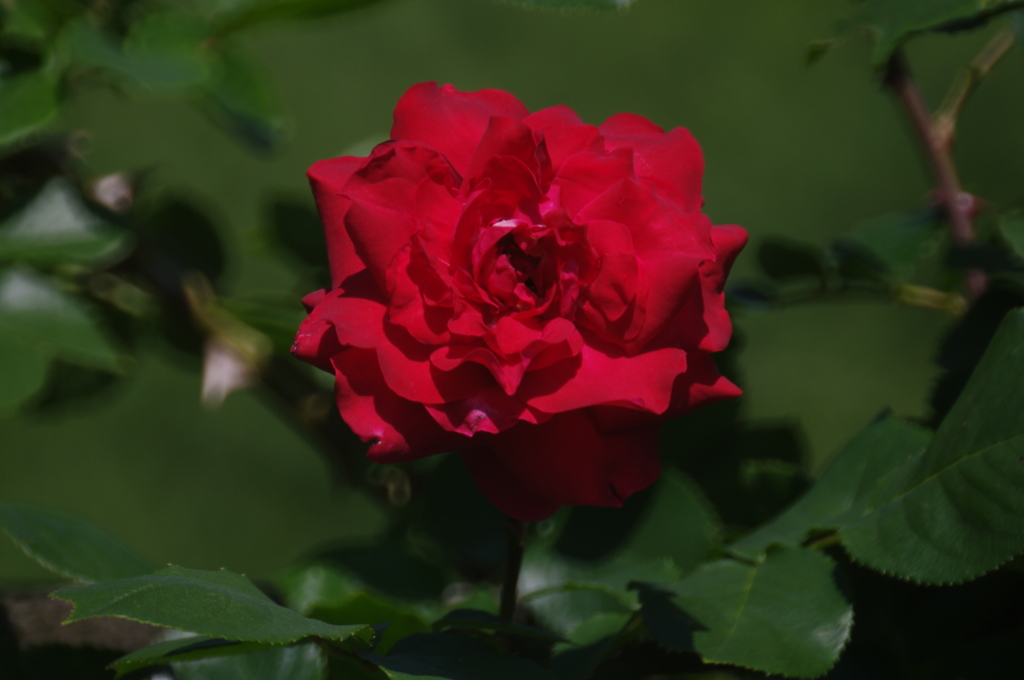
x,y
936,146
515,530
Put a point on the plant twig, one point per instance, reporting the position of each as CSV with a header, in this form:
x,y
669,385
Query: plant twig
x,y
950,196
968,79
516,533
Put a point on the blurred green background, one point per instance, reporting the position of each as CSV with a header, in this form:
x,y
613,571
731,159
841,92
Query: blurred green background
x,y
790,149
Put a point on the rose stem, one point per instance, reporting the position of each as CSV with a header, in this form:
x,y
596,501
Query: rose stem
x,y
515,532
936,138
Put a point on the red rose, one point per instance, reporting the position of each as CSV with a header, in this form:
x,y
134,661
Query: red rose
x,y
534,292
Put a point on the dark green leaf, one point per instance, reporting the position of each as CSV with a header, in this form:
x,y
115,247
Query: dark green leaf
x,y
216,603
277,317
575,4
892,22
890,247
35,312
1011,228
236,14
163,53
322,591
32,22
182,649
956,511
23,370
294,228
481,620
593,533
859,468
389,569
589,644
296,662
240,99
55,227
28,104
679,523
456,657
786,259
783,616
70,546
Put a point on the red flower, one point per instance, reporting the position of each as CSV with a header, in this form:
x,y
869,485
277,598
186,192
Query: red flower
x,y
534,292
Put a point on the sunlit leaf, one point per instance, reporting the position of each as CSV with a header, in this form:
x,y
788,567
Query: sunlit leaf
x,y
35,312
956,510
28,104
216,603
56,227
892,22
70,546
784,615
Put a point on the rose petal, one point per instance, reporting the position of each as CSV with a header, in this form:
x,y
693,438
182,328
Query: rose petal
x,y
408,371
385,198
670,245
569,462
604,374
398,429
412,282
504,490
490,410
504,137
585,176
327,178
671,161
451,121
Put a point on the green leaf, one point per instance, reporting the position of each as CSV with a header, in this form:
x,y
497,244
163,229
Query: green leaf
x,y
680,523
36,313
456,657
239,98
33,22
1011,229
890,247
296,662
322,591
162,54
216,603
70,546
275,316
182,649
589,644
55,227
783,616
854,473
28,104
574,4
892,22
785,259
23,370
957,510
232,15
476,619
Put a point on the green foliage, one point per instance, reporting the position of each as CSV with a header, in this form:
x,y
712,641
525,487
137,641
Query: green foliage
x,y
24,372
892,22
456,657
783,615
216,603
70,546
57,227
28,104
250,662
573,4
955,511
474,619
34,311
855,473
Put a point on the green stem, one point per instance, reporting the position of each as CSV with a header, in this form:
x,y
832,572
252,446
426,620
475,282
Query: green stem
x,y
515,530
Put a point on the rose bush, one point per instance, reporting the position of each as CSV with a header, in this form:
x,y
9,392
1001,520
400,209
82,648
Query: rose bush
x,y
536,293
